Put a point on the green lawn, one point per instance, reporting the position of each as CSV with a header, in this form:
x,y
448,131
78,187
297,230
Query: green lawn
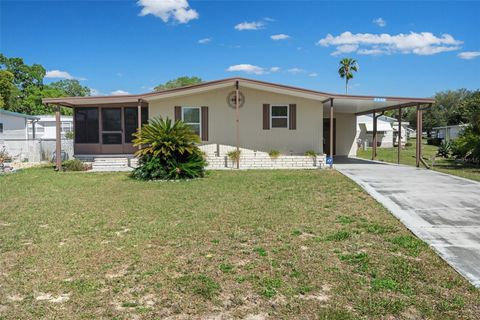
x,y
407,156
283,244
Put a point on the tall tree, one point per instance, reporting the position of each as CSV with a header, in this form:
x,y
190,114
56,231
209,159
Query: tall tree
x,y
71,88
8,90
179,82
22,87
24,75
347,65
447,110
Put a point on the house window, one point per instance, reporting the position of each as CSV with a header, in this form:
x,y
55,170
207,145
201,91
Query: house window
x,y
66,127
1,127
279,117
191,117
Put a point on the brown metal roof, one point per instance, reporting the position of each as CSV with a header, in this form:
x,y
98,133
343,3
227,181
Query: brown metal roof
x,y
132,98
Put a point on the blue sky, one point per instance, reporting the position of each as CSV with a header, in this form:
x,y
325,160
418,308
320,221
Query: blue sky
x,y
415,49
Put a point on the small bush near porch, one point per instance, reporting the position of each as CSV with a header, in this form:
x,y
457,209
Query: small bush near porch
x,y
263,244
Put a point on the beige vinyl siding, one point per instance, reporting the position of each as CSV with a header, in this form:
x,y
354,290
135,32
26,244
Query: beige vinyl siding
x,y
309,113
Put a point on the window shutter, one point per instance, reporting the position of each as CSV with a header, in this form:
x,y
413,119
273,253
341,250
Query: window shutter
x,y
292,117
204,125
178,113
266,117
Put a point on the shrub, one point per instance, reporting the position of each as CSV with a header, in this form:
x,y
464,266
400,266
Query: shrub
x,y
69,135
408,144
274,154
445,149
434,141
168,151
234,155
310,153
4,156
467,146
74,165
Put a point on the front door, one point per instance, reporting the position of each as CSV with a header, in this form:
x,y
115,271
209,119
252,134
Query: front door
x,y
112,130
326,136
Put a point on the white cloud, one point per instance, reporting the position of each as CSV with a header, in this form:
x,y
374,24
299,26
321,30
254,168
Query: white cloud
x,y
119,93
380,22
280,36
251,69
254,25
247,68
177,10
205,40
313,74
468,55
295,70
95,92
58,74
269,19
346,48
424,43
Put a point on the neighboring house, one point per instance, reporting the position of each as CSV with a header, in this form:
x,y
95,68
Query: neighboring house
x,y
45,127
271,117
13,125
407,132
387,131
31,138
448,133
385,135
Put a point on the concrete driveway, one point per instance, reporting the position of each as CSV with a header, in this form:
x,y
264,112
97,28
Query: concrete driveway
x,y
441,209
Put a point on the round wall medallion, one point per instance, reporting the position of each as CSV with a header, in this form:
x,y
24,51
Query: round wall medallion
x,y
231,99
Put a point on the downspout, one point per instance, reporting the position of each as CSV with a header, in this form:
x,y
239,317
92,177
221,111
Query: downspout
x,y
237,120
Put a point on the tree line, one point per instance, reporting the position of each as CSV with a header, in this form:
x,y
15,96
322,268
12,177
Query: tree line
x,y
22,87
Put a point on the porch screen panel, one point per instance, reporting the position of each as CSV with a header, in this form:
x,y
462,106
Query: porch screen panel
x,y
131,121
86,125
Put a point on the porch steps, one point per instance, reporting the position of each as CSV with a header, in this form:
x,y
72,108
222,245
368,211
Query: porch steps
x,y
105,164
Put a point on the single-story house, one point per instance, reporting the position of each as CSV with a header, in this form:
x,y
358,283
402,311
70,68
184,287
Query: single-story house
x,y
253,115
387,128
29,138
44,127
365,132
13,125
447,133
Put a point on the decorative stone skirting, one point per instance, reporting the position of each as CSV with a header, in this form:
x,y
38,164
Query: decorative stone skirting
x,y
217,158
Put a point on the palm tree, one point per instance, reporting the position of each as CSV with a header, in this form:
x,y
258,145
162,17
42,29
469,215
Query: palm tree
x,y
347,65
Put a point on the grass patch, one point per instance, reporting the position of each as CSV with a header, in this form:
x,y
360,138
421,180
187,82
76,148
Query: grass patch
x,y
338,236
226,268
412,244
384,284
345,219
260,251
200,285
269,286
278,244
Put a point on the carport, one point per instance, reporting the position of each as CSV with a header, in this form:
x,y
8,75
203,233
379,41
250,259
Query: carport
x,y
376,106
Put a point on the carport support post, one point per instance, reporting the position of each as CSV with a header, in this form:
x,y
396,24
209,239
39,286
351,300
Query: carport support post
x,y
374,137
419,136
331,129
139,118
399,133
58,139
237,122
